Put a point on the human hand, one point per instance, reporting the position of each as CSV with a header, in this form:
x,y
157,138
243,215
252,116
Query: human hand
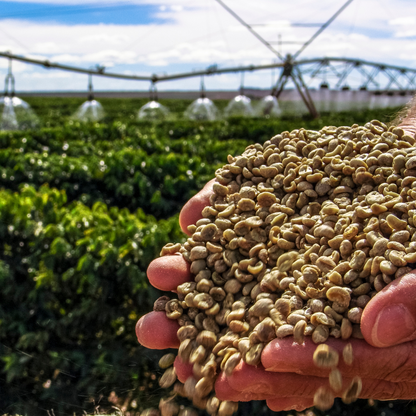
x,y
288,378
167,273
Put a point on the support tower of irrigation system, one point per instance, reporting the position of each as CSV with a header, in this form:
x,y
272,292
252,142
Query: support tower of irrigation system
x,y
382,77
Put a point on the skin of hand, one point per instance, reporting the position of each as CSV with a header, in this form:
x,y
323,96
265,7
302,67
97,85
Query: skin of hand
x,y
287,378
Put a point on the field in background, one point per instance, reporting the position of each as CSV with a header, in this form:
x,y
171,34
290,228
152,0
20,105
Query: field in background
x,y
325,100
83,210
56,111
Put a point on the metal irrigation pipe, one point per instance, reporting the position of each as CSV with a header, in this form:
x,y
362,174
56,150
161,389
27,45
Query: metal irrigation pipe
x,y
100,71
212,70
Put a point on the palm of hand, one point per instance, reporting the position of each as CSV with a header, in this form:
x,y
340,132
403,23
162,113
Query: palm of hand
x,y
288,378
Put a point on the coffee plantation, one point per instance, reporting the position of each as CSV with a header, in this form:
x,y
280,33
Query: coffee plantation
x,y
83,210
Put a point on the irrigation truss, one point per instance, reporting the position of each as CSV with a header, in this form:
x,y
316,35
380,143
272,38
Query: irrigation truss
x,y
303,74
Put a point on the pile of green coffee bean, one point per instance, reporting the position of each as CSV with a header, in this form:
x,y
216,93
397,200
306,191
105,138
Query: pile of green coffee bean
x,y
301,232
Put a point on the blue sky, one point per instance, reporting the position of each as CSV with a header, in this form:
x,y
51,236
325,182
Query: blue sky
x,y
168,36
119,13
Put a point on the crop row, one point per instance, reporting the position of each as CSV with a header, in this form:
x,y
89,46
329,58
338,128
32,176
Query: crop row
x,y
159,184
73,286
157,170
155,137
86,140
153,166
73,260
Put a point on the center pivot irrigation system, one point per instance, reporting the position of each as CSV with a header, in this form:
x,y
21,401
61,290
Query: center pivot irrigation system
x,y
373,75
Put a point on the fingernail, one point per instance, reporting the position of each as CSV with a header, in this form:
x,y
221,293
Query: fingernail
x,y
394,325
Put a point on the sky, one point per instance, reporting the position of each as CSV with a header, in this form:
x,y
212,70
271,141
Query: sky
x,y
145,37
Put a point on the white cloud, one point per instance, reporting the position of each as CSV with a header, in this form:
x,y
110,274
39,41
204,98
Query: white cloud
x,y
111,55
46,47
176,8
405,33
105,38
403,21
405,26
17,67
66,59
198,34
51,75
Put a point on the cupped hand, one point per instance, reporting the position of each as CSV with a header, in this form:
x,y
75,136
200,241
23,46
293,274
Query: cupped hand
x,y
287,378
167,273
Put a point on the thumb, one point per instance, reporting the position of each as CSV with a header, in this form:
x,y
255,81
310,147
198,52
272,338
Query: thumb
x,y
409,125
390,316
191,211
407,118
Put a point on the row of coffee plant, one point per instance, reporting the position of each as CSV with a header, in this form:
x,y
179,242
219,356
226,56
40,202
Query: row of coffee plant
x,y
83,210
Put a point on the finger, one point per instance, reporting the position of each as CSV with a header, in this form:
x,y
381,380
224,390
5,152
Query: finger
x,y
222,388
249,379
292,403
396,363
183,370
224,391
408,124
168,272
390,317
157,332
409,127
191,211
